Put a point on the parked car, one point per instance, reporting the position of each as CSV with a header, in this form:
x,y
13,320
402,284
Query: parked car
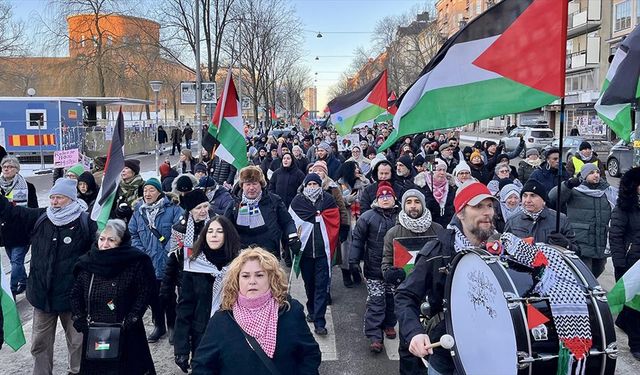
x,y
571,145
536,138
620,157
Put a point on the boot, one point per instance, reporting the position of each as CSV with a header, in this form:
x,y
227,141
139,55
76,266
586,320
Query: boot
x,y
157,333
171,332
357,279
346,278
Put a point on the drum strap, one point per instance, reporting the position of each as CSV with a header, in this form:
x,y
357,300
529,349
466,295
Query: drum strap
x,y
434,321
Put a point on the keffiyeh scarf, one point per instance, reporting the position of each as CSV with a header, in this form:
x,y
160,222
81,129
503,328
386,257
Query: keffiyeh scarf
x,y
419,225
312,193
461,242
249,214
440,189
258,317
202,265
151,211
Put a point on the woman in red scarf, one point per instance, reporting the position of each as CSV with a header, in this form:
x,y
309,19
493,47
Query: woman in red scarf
x,y
257,309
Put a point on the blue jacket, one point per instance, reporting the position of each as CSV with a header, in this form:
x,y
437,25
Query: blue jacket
x,y
147,242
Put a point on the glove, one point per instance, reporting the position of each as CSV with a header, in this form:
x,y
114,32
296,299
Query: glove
x,y
80,323
295,245
130,321
558,239
344,232
182,360
394,275
618,272
124,212
573,182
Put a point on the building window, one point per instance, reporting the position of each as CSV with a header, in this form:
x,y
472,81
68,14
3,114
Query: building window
x,y
622,16
36,117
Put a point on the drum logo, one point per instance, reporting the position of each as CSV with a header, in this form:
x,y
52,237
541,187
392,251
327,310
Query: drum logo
x,y
482,292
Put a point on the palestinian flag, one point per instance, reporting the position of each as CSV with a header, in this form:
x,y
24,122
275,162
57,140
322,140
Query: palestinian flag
x,y
111,180
359,106
392,103
227,119
509,59
273,114
12,327
305,215
405,251
304,120
626,292
620,88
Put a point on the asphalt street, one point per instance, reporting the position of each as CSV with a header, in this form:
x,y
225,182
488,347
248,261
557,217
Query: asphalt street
x,y
345,349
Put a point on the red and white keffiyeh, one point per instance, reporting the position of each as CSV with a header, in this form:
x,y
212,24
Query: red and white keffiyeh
x,y
258,317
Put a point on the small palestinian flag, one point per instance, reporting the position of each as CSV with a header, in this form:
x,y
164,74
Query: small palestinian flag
x,y
510,59
12,327
626,292
620,88
356,107
405,251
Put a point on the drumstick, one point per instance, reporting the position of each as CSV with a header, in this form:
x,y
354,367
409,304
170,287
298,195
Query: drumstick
x,y
446,341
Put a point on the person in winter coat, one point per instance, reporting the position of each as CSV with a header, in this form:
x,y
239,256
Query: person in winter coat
x,y
299,159
381,170
539,221
502,173
129,190
509,205
462,174
188,135
60,234
260,217
219,197
167,175
589,201
286,180
324,152
624,239
87,189
405,173
584,156
256,303
447,155
162,138
439,192
414,220
176,140
547,174
19,192
150,228
187,163
201,293
357,155
479,169
223,172
315,260
111,286
529,165
367,244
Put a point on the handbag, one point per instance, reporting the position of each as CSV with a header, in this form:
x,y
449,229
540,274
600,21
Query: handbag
x,y
103,339
253,344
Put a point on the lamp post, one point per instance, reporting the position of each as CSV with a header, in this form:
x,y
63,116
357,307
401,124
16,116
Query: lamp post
x,y
156,86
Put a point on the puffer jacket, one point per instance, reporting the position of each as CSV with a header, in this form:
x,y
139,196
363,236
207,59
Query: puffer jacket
x,y
526,169
589,217
285,183
368,240
624,230
222,171
143,239
548,177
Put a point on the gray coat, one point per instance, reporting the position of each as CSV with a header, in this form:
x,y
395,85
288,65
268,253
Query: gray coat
x,y
523,226
589,218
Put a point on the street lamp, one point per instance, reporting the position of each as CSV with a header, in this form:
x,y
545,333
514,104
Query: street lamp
x,y
156,86
319,35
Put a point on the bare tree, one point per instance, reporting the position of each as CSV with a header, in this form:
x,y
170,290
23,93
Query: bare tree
x,y
11,32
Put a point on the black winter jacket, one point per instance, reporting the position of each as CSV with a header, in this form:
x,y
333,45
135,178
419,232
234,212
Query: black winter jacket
x,y
54,252
524,226
221,171
285,183
224,350
12,231
368,240
548,177
193,311
624,230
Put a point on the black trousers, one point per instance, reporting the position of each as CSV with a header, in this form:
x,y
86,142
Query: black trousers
x,y
315,274
629,321
409,363
173,148
162,309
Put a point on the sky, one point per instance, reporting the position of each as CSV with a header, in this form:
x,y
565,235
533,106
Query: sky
x,y
344,24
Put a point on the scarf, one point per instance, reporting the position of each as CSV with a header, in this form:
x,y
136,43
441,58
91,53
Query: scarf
x,y
130,189
609,191
533,215
258,317
202,265
65,215
249,214
190,233
461,242
419,225
151,211
534,163
16,190
108,263
440,191
507,212
313,194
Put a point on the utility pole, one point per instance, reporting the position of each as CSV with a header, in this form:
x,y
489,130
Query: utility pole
x,y
198,126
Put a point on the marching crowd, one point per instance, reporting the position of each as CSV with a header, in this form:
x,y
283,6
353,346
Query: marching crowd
x,y
206,246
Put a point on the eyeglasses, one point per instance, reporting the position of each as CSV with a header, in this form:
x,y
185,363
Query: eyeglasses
x,y
8,167
463,173
385,196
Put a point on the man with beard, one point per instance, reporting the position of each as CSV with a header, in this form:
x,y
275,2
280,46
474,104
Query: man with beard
x,y
413,221
472,227
324,152
447,155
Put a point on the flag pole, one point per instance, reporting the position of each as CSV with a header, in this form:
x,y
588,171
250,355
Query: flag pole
x,y
560,145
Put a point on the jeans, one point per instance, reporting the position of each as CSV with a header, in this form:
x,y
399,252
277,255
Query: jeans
x,y
18,274
315,274
188,141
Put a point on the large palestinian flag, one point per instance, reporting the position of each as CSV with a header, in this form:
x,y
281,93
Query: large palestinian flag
x,y
306,215
509,59
356,107
620,88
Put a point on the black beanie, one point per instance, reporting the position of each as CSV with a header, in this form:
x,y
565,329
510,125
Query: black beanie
x,y
193,198
406,161
184,184
584,145
133,164
418,161
535,187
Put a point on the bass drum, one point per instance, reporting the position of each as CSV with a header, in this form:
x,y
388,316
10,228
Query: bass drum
x,y
485,312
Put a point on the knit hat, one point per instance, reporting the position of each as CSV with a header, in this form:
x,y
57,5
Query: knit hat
x,y
471,193
463,166
200,167
133,164
489,144
155,183
474,154
325,146
65,186
312,177
587,169
77,169
441,164
385,188
444,146
584,145
413,193
535,187
164,169
532,151
11,160
184,184
207,182
406,161
418,161
322,165
193,198
507,190
252,174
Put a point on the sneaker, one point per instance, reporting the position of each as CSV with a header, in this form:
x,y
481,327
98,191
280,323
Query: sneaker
x,y
376,347
321,331
309,318
390,333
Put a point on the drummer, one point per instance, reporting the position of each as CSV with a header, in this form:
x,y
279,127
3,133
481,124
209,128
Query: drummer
x,y
471,227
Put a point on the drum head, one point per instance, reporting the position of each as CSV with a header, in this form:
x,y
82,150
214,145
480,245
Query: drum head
x,y
480,321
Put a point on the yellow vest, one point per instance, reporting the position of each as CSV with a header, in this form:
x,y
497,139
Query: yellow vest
x,y
578,164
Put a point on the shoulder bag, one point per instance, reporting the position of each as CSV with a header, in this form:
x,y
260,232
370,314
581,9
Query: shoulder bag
x,y
103,339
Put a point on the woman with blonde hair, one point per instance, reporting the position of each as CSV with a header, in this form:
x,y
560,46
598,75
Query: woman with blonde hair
x,y
259,328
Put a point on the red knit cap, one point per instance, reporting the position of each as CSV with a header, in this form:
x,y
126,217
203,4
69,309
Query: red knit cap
x,y
164,169
385,188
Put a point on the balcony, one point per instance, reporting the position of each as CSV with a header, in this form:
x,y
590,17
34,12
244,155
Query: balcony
x,y
586,20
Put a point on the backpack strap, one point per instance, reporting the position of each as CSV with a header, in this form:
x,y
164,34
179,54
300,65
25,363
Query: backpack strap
x,y
84,222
